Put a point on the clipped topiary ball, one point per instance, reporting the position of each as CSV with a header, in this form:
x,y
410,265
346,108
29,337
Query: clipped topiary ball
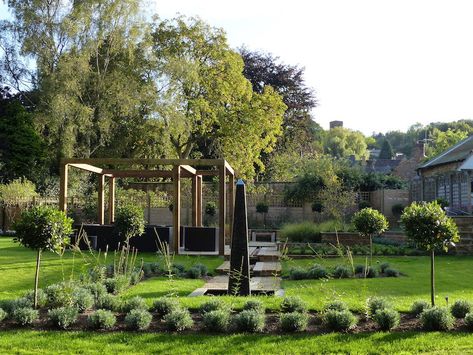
x,y
164,305
250,321
293,322
387,319
178,320
138,319
339,320
436,318
418,307
213,304
101,319
336,306
376,304
63,317
255,304
216,321
460,309
293,304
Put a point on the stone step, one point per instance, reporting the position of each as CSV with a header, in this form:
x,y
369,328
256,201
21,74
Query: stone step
x,y
251,250
258,283
267,268
225,268
268,254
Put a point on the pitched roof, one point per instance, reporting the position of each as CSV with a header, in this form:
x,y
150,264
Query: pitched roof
x,y
384,166
458,152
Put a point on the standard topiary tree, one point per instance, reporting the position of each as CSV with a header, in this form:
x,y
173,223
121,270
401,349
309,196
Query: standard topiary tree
x,y
43,228
263,208
129,222
369,222
427,225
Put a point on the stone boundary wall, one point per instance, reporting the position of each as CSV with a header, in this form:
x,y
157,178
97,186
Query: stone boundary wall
x,y
384,200
344,238
352,238
465,228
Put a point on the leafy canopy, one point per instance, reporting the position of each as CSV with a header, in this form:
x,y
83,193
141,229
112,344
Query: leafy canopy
x,y
129,221
369,222
205,101
88,74
441,141
22,150
429,227
43,228
299,129
16,191
341,142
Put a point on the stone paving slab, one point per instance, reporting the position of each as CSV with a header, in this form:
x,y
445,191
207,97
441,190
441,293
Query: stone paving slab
x,y
251,250
261,268
268,254
258,283
267,268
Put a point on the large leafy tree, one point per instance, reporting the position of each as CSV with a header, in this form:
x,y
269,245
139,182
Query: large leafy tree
x,y
204,99
89,71
439,136
22,151
441,141
342,142
263,70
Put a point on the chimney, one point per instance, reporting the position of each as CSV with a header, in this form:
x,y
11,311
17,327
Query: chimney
x,y
334,124
420,149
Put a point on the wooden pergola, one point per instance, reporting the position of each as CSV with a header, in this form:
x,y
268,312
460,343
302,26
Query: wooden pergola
x,y
181,168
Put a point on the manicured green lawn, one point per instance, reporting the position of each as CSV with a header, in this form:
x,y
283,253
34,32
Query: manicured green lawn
x,y
37,342
453,279
17,266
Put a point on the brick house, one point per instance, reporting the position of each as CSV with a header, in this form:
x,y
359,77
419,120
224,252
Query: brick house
x,y
447,176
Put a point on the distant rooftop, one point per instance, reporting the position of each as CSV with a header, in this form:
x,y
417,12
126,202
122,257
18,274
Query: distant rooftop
x,y
384,166
459,152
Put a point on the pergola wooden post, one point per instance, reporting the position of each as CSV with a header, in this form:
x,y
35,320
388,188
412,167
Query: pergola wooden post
x,y
101,200
111,200
199,201
195,200
181,168
177,208
64,175
231,197
222,207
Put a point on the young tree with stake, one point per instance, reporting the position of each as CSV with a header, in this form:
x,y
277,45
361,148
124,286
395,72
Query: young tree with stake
x,y
369,222
428,226
43,228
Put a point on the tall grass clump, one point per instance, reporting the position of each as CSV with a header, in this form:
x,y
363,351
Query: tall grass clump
x,y
300,232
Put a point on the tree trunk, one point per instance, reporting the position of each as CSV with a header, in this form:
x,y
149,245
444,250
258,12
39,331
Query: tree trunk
x,y
371,251
432,277
36,278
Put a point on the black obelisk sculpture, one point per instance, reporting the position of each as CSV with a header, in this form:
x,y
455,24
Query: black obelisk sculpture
x,y
239,278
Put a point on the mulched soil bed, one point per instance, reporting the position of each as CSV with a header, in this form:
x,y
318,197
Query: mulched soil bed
x,y
408,323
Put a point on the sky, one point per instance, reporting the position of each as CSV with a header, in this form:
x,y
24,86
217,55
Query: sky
x,y
376,65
